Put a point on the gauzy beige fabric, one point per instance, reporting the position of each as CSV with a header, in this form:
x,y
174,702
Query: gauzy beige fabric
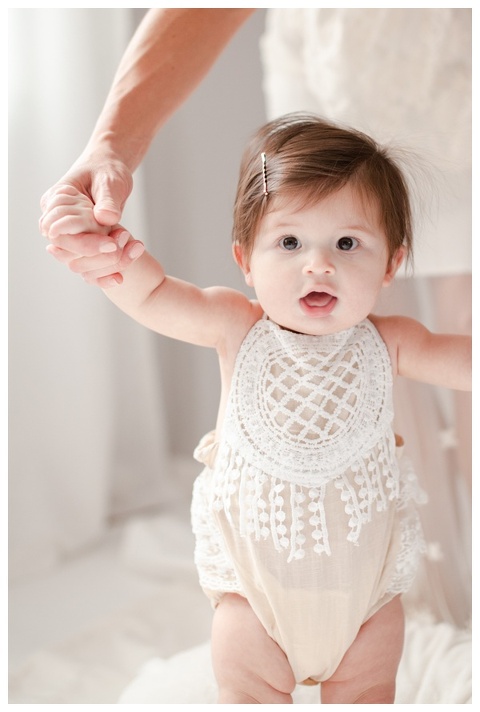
x,y
304,505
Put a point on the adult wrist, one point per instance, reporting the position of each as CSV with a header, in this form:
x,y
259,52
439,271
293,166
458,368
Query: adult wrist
x,y
116,148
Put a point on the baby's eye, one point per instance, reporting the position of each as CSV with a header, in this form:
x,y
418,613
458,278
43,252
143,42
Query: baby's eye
x,y
347,243
290,243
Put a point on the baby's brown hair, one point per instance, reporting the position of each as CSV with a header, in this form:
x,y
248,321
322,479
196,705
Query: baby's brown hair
x,y
308,157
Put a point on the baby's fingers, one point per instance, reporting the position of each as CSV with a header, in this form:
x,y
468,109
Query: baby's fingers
x,y
103,270
130,253
90,244
83,265
101,276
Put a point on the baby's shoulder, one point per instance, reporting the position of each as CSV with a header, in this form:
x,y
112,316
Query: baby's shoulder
x,y
393,327
240,315
395,330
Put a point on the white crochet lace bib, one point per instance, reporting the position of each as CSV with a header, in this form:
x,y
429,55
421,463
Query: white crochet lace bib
x,y
308,407
305,411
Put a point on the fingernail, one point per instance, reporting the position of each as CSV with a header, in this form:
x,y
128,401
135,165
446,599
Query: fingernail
x,y
108,247
114,281
137,250
122,239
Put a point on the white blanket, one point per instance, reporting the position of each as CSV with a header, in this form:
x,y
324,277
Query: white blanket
x,y
436,668
131,655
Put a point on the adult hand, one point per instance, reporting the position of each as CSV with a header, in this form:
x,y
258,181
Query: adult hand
x,y
168,56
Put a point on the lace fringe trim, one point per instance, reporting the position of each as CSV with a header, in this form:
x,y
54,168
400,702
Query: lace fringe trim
x,y
269,507
412,541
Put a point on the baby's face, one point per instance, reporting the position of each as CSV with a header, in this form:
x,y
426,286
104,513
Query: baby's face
x,y
319,269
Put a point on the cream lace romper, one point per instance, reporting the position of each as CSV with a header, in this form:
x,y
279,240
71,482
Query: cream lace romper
x,y
304,506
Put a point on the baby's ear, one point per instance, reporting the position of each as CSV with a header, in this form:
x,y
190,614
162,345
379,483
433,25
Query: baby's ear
x,y
394,265
242,261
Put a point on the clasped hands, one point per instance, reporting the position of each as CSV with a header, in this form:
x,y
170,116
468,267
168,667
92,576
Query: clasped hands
x,y
84,231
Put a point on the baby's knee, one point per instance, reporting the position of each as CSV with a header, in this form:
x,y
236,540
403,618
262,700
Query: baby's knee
x,y
234,696
377,694
358,692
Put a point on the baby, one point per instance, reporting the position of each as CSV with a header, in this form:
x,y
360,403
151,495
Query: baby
x,y
305,513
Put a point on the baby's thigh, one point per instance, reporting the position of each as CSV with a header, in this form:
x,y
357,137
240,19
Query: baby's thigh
x,y
368,669
249,666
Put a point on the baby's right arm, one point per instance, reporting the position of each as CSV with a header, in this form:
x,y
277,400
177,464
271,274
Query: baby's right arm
x,y
176,308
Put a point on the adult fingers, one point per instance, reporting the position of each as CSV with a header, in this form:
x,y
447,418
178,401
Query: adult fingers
x,y
110,190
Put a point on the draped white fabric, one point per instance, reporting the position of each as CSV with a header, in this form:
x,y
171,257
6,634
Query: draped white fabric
x,y
354,66
85,443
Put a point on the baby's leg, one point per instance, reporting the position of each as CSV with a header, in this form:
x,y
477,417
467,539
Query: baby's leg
x,y
249,666
367,672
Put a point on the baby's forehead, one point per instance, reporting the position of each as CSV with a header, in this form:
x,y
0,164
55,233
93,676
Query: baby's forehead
x,y
294,202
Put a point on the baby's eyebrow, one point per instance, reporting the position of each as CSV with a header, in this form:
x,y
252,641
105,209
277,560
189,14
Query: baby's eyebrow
x,y
283,224
364,229
354,225
357,228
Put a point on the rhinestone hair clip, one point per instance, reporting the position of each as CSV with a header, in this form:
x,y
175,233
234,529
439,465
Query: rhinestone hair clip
x,y
264,169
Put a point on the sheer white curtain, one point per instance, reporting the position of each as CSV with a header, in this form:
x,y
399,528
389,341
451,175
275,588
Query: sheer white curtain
x,y
86,433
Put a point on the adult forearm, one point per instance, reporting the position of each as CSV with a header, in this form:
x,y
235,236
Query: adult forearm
x,y
171,52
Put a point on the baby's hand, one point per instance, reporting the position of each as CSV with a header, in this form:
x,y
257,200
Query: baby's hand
x,y
104,270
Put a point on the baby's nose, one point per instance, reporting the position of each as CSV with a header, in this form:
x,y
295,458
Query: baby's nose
x,y
319,261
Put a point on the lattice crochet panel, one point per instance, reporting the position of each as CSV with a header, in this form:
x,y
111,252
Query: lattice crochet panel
x,y
305,404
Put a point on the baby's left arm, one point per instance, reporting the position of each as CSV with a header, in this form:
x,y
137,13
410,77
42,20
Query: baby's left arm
x,y
417,353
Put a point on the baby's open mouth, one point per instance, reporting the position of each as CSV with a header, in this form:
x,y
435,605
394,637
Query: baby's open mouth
x,y
318,299
318,304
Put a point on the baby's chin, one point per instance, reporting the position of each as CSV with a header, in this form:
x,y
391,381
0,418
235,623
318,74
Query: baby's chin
x,y
309,329
317,326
